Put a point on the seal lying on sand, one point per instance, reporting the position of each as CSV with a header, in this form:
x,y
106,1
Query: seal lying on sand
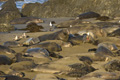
x,y
88,15
59,35
115,33
113,65
4,60
101,76
4,49
37,52
50,46
11,44
78,70
103,52
24,20
33,27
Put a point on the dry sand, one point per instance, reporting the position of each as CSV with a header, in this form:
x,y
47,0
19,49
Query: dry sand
x,y
70,52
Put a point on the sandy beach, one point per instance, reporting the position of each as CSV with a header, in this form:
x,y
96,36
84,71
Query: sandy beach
x,y
70,54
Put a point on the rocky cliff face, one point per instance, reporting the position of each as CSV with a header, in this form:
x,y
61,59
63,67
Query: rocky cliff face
x,y
9,12
68,8
15,0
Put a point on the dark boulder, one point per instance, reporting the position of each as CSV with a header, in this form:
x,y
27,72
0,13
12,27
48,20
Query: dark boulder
x,y
9,12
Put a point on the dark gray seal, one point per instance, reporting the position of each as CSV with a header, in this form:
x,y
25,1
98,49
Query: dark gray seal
x,y
50,46
37,52
86,60
11,44
88,15
113,65
4,60
79,70
4,49
102,76
33,27
24,20
59,35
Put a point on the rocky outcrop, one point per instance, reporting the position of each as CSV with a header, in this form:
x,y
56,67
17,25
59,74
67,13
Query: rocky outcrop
x,y
68,8
9,12
15,0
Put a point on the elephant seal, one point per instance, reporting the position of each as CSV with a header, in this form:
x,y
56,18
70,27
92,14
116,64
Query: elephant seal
x,y
103,18
11,44
4,60
115,33
101,76
109,46
86,60
33,27
37,52
113,65
50,46
59,35
88,15
24,20
79,70
4,49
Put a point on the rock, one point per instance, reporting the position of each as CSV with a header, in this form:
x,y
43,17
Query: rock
x,y
9,11
109,46
58,8
4,60
113,65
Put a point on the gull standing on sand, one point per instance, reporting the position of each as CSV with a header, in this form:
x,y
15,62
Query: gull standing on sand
x,y
51,25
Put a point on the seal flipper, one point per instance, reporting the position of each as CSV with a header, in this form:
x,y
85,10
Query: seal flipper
x,y
93,49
